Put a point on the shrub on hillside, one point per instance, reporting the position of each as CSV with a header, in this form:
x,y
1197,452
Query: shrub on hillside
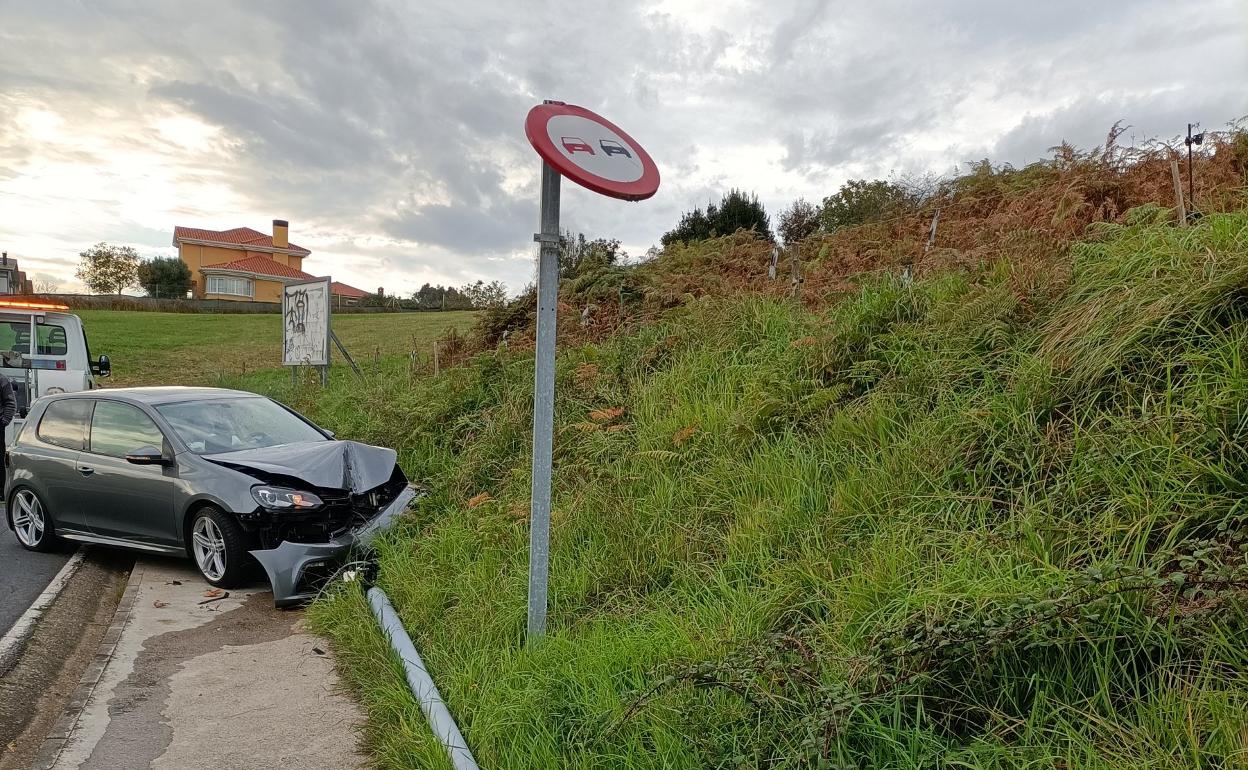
x,y
736,211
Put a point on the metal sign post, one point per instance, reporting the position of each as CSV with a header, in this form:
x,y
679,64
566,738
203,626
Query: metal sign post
x,y
544,399
596,154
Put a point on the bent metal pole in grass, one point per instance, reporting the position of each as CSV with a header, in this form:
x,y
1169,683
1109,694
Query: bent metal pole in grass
x,y
598,155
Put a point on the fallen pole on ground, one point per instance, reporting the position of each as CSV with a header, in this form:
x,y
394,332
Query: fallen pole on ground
x,y
421,684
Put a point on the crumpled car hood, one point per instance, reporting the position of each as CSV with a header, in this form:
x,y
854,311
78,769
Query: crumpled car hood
x,y
347,465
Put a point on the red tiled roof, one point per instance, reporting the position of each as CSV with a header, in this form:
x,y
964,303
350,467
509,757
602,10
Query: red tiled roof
x,y
261,266
343,290
239,236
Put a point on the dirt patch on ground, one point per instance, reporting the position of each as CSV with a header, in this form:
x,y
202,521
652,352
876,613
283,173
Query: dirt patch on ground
x,y
34,692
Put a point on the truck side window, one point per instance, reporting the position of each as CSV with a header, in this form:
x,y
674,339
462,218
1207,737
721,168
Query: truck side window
x,y
52,340
64,423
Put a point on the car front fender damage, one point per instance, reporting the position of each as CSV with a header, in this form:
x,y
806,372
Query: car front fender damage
x,y
290,564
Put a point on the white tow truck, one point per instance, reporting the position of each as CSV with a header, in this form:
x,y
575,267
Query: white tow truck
x,y
43,350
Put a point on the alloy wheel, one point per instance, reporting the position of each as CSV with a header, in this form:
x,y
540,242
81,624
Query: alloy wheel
x,y
209,548
28,518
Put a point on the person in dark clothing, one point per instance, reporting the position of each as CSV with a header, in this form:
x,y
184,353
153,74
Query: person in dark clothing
x,y
8,408
8,402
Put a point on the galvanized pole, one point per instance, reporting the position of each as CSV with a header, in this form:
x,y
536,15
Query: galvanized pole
x,y
543,400
1191,184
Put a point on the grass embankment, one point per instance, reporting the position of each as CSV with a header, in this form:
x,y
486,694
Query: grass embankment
x,y
199,349
980,520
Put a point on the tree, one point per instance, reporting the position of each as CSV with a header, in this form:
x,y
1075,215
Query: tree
x,y
576,253
46,285
694,226
430,297
165,277
482,295
736,211
800,220
859,202
106,269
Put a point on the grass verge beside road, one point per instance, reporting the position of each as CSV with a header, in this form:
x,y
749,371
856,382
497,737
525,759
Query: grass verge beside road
x,y
981,520
198,349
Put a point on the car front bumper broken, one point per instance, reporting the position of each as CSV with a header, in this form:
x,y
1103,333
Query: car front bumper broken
x,y
289,564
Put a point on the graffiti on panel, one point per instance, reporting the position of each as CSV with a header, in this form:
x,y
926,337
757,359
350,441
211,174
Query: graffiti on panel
x,y
305,311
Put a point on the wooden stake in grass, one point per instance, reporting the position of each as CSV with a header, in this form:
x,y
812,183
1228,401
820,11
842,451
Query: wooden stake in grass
x,y
1178,191
795,272
436,366
931,235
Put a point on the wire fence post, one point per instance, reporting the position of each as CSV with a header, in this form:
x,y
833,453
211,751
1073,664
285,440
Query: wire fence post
x,y
1178,191
543,402
795,272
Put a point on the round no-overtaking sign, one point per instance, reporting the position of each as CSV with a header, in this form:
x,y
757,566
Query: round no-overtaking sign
x,y
591,151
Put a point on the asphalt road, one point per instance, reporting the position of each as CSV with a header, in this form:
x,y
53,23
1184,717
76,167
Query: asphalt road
x,y
23,574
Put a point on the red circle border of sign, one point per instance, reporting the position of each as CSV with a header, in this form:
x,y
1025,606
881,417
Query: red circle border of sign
x,y
535,130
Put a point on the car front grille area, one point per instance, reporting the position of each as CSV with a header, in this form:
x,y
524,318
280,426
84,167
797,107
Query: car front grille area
x,y
341,513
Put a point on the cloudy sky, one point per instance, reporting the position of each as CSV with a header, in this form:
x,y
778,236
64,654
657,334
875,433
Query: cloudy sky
x,y
390,133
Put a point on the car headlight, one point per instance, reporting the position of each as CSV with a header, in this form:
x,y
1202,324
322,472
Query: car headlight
x,y
284,499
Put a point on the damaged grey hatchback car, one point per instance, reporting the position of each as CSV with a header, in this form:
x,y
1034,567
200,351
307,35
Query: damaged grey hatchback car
x,y
227,477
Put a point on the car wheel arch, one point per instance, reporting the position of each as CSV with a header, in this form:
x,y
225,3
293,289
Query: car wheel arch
x,y
188,516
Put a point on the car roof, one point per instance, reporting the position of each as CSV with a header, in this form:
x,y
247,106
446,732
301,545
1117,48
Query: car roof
x,y
170,394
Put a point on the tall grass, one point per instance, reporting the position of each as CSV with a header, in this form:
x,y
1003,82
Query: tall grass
x,y
938,524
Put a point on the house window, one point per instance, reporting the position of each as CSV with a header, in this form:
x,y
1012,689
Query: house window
x,y
226,284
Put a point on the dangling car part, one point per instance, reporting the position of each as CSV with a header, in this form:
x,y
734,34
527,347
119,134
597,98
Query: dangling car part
x,y
226,477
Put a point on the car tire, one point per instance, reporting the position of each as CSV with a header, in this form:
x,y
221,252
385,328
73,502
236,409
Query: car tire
x,y
31,521
219,547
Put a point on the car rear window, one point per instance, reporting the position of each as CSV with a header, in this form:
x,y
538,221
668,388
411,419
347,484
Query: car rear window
x,y
64,423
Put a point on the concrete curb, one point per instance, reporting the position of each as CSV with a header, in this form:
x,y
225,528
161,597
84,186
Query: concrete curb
x,y
55,741
14,640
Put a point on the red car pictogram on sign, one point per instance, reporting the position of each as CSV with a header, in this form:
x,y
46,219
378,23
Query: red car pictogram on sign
x,y
575,144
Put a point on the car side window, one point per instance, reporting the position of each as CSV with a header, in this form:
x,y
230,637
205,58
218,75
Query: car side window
x,y
118,429
64,423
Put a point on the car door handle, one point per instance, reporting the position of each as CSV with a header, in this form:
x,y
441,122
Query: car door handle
x,y
86,470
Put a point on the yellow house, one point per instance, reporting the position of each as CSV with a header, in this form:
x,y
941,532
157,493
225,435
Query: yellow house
x,y
240,264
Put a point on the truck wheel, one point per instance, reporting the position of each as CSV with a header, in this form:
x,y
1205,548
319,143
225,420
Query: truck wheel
x,y
219,547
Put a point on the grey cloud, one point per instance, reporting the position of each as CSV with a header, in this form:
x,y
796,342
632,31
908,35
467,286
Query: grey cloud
x,y
404,119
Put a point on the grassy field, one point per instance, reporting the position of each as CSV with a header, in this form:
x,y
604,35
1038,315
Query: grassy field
x,y
198,349
988,519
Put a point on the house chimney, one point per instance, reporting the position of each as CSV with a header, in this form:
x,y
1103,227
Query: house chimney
x,y
281,233
5,259
381,291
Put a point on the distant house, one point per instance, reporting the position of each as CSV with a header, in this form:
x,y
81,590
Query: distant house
x,y
12,280
346,295
240,264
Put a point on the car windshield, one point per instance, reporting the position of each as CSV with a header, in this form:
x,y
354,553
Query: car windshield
x,y
233,424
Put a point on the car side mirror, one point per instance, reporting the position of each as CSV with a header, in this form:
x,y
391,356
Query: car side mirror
x,y
146,455
103,367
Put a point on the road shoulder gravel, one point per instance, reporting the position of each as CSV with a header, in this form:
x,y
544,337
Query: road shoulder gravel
x,y
36,688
